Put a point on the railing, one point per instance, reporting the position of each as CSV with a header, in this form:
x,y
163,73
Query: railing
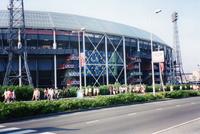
x,y
42,51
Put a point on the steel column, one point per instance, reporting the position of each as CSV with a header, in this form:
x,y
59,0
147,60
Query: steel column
x,y
106,52
20,58
85,64
55,59
139,64
79,52
138,45
124,53
152,65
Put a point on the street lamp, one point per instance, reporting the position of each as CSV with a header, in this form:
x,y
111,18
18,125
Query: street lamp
x,y
152,65
79,53
198,65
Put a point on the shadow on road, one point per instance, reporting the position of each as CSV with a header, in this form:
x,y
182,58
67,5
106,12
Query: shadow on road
x,y
53,129
41,130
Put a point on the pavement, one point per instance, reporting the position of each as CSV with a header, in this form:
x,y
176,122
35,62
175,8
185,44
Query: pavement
x,y
180,116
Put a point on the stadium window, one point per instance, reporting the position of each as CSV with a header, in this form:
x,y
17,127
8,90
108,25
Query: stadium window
x,y
1,37
32,41
63,39
133,40
45,41
74,45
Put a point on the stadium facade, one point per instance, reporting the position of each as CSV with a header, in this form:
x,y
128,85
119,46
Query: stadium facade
x,y
114,52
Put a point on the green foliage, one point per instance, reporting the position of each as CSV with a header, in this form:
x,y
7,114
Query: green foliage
x,y
176,87
23,109
182,94
104,90
72,92
22,93
117,85
150,88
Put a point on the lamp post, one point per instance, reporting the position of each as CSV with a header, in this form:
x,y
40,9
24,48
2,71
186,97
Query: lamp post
x,y
198,65
152,64
79,53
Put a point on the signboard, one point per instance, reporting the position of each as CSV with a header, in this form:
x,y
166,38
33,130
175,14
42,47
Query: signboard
x,y
158,56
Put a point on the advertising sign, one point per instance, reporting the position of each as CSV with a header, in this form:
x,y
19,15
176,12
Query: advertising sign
x,y
158,56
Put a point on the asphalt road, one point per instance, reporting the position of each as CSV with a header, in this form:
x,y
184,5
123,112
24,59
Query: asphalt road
x,y
181,116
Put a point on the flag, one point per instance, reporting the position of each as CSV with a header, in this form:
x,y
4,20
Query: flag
x,y
82,59
162,67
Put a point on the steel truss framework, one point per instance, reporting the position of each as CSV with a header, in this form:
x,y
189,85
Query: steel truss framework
x,y
107,58
103,61
17,31
178,72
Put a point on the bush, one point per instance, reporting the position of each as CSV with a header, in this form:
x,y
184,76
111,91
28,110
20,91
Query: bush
x,y
71,92
104,90
23,109
182,94
150,88
22,93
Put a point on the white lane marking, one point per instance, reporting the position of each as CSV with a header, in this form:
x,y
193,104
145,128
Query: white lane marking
x,y
175,126
132,114
47,133
192,103
178,105
90,122
105,109
159,109
9,129
23,132
1,126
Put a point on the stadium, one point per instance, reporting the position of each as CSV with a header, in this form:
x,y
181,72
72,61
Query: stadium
x,y
113,52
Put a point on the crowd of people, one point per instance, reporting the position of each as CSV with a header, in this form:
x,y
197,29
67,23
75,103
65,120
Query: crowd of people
x,y
51,94
127,89
91,91
113,90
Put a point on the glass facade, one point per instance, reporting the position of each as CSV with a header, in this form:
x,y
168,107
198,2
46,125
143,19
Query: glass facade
x,y
104,58
109,56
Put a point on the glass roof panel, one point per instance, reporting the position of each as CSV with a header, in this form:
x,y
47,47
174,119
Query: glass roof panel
x,y
51,20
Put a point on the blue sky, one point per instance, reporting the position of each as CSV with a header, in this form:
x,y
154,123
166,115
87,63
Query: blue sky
x,y
137,13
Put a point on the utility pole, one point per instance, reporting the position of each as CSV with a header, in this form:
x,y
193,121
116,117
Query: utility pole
x,y
178,73
16,31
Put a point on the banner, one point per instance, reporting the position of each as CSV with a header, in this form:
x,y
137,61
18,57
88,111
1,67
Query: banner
x,y
162,67
82,59
158,56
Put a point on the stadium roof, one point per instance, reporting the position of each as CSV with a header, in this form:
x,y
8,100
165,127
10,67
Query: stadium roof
x,y
60,21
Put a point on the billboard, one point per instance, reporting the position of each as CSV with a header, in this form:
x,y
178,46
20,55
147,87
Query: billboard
x,y
158,56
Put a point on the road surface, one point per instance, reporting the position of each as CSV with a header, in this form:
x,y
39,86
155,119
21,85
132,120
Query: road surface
x,y
181,116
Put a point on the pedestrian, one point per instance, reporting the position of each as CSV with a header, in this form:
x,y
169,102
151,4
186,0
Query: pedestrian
x,y
46,93
36,94
10,94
